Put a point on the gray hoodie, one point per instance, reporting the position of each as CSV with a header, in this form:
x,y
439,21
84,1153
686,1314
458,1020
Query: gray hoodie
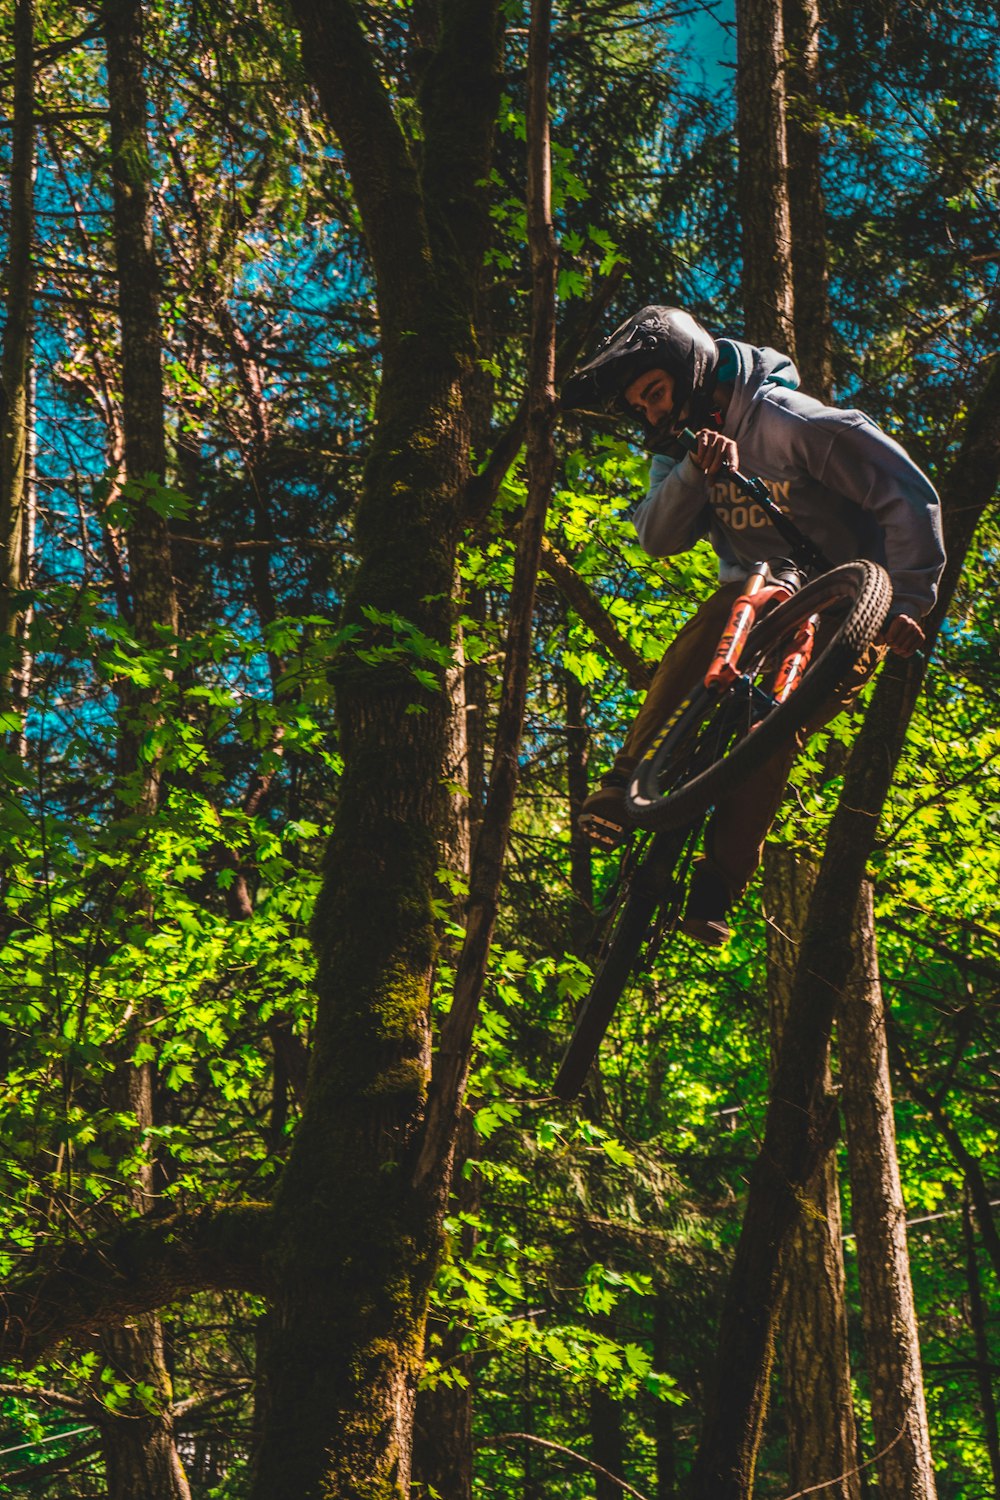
x,y
849,486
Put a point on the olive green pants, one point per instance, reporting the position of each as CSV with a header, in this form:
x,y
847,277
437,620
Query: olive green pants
x,y
734,839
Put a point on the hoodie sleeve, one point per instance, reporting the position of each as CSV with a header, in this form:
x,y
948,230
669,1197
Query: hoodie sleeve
x,y
869,467
674,513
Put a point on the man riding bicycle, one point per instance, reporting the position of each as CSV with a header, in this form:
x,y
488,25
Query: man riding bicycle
x,y
848,486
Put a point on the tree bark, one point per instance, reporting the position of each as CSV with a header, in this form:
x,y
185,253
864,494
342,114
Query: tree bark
x,y
607,1442
762,180
16,353
154,596
442,1448
806,206
878,1217
140,1454
581,874
984,1367
822,1438
665,1427
451,1065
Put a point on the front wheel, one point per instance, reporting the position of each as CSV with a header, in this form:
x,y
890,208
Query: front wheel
x,y
716,739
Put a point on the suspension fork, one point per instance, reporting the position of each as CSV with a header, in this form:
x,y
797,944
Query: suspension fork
x,y
724,669
797,657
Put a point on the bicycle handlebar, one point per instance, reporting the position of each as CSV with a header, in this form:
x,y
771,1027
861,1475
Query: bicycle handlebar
x,y
804,551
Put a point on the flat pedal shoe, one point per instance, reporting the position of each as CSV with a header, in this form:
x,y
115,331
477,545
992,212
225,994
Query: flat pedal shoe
x,y
714,934
708,903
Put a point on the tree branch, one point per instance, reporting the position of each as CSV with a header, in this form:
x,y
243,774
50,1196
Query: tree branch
x,y
578,1458
144,1264
50,1397
186,1412
593,614
963,1157
338,58
483,488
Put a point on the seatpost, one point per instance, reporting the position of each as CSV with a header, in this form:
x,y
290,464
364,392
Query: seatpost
x,y
804,552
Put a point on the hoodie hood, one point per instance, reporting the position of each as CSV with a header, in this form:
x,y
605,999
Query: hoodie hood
x,y
751,372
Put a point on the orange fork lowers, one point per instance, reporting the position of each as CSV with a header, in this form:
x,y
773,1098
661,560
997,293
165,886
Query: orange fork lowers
x,y
725,664
797,657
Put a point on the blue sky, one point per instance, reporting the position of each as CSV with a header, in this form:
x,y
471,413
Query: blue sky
x,y
710,26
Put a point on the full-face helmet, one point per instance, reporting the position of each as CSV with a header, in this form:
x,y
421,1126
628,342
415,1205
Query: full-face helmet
x,y
654,338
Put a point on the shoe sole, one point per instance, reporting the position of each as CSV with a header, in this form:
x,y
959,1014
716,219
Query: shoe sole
x,y
712,934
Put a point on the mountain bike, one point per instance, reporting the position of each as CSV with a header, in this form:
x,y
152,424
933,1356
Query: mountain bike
x,y
792,637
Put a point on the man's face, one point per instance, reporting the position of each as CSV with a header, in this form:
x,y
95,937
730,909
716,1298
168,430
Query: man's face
x,y
651,396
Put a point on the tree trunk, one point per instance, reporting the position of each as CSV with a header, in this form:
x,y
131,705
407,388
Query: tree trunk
x,y
607,1442
442,1448
137,1438
822,1438
580,866
140,1454
16,352
984,1365
762,181
154,596
458,837
357,1243
878,1216
806,207
358,1238
664,1426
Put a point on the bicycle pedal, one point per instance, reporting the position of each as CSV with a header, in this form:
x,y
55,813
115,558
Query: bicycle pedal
x,y
600,831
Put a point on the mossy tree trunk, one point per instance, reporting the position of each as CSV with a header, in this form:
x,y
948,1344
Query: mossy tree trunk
x,y
357,1243
357,1237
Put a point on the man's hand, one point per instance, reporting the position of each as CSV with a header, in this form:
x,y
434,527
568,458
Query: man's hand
x,y
903,635
715,451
